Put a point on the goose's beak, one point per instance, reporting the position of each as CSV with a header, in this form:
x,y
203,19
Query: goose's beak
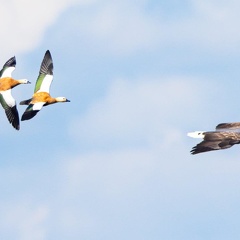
x,y
67,100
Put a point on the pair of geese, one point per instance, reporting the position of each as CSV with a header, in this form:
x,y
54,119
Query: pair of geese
x,y
40,98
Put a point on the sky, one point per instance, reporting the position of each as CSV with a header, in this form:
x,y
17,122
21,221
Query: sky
x,y
115,162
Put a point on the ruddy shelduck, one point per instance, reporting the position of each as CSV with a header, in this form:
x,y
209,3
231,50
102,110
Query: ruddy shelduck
x,y
41,96
6,99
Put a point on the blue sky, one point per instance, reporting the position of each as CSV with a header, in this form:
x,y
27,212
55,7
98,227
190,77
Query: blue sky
x,y
115,163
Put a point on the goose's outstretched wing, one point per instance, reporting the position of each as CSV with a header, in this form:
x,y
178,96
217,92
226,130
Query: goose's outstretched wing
x,y
215,140
9,105
8,68
32,110
45,76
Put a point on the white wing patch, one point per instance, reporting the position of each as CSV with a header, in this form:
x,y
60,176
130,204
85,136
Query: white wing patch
x,y
8,72
38,106
46,83
7,95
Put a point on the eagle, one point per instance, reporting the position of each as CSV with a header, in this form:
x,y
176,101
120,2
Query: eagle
x,y
224,136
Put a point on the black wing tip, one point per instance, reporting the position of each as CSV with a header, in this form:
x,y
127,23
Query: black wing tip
x,y
13,117
25,102
194,152
48,52
10,62
28,115
197,150
17,127
221,126
16,124
48,55
47,64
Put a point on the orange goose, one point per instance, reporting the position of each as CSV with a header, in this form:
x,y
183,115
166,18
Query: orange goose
x,y
225,136
6,99
41,96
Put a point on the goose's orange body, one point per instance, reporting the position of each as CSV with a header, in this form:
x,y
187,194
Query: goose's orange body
x,y
43,97
8,83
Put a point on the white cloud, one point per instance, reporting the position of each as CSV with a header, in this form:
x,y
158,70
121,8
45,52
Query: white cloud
x,y
23,22
140,111
109,173
23,221
110,186
210,24
122,27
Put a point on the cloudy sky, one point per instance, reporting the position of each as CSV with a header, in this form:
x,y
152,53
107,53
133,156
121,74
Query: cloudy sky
x,y
114,163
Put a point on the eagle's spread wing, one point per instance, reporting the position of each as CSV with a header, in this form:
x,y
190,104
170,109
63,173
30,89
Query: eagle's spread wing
x,y
215,140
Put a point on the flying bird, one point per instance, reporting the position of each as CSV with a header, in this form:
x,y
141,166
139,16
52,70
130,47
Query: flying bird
x,y
223,137
41,96
6,99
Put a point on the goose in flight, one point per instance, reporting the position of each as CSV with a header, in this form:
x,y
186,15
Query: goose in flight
x,y
41,96
6,99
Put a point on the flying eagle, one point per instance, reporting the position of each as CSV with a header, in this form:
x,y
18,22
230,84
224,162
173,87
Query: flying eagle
x,y
225,136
